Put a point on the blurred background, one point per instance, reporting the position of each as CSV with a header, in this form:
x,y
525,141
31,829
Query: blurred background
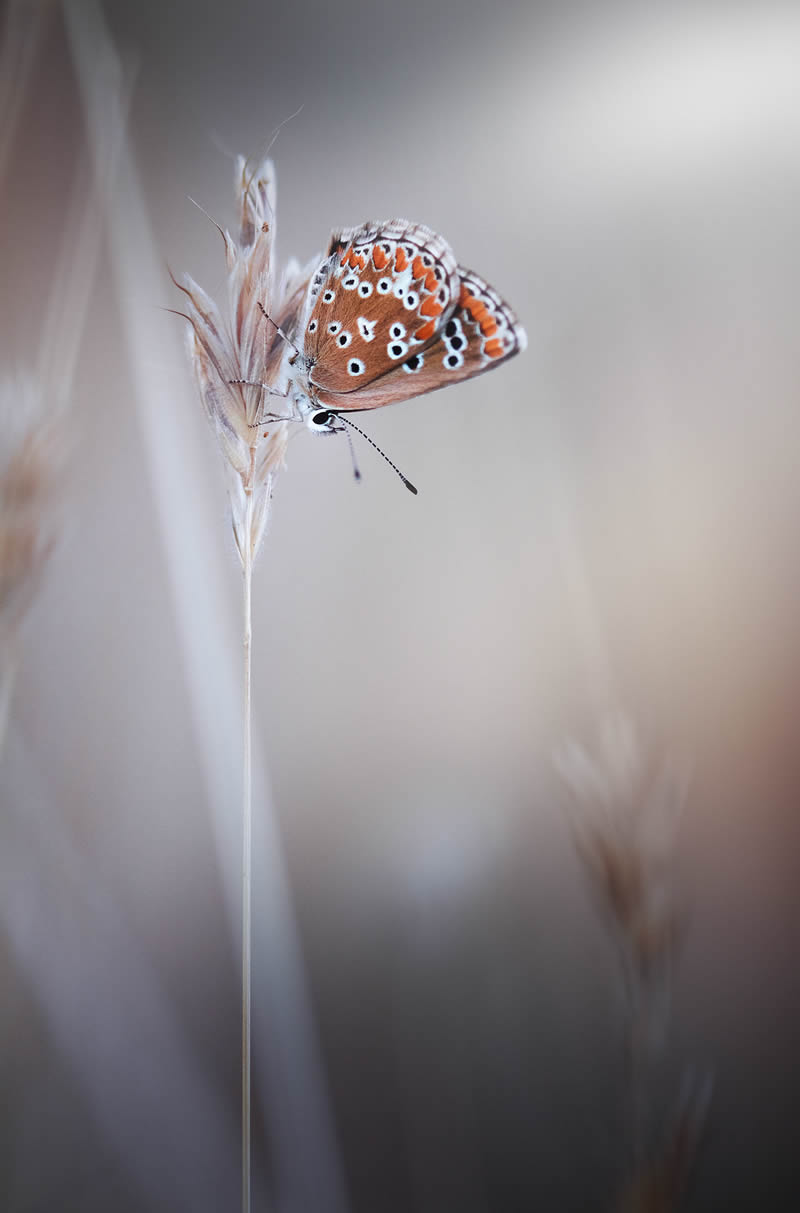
x,y
444,1012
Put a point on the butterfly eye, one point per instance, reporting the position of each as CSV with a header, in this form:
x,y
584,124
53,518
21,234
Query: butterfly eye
x,y
344,339
350,282
355,367
320,420
384,286
365,290
397,331
334,327
328,297
312,328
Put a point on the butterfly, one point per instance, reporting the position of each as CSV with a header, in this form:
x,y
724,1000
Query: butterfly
x,y
389,315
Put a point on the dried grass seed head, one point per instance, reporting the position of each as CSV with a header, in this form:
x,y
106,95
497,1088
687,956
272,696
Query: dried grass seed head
x,y
245,346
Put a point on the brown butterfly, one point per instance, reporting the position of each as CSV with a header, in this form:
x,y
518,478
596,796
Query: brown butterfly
x,y
388,315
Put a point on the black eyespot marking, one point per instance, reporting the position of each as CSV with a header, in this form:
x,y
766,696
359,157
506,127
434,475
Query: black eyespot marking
x,y
455,344
349,282
328,297
312,328
384,286
413,363
411,300
397,330
451,329
344,339
355,367
334,327
453,360
397,350
365,289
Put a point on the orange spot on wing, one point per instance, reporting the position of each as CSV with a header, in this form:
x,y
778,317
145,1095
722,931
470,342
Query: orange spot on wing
x,y
477,310
417,268
344,259
426,331
431,282
488,326
400,260
493,348
379,257
431,308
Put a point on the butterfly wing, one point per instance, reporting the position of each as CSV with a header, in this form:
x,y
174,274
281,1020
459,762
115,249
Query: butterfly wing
x,y
384,291
480,332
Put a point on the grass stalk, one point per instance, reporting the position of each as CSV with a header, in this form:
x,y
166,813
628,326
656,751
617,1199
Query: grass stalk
x,y
247,834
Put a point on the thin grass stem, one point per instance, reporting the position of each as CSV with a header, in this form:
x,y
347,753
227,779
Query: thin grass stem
x,y
247,836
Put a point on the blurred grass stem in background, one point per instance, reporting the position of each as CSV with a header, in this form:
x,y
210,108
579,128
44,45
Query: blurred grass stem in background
x,y
34,403
308,1171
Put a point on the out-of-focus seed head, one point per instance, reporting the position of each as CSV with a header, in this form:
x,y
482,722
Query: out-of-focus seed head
x,y
30,467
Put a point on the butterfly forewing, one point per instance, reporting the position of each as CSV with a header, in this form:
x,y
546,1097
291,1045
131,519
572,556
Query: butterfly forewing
x,y
386,291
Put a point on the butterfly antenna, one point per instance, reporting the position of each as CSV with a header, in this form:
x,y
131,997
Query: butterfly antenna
x,y
352,424
277,328
356,471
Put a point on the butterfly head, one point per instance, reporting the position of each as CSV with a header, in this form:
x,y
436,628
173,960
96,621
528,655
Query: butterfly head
x,y
321,421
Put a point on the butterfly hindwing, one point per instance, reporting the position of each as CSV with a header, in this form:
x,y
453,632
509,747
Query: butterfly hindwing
x,y
385,291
